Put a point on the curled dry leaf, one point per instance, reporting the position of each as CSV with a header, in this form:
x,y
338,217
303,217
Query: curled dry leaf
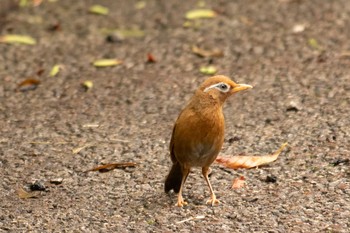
x,y
28,84
207,53
236,162
17,39
107,62
200,13
111,166
238,183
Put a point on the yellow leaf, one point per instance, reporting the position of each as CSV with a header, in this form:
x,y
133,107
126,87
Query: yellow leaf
x,y
99,10
200,13
87,85
313,43
24,194
140,5
55,69
17,39
209,70
23,3
107,62
236,162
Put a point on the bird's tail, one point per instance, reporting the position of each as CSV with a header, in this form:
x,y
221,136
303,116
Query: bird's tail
x,y
174,178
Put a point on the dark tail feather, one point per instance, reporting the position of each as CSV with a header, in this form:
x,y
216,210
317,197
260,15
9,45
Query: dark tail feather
x,y
173,180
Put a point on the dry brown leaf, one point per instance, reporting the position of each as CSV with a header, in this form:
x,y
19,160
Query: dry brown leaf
x,y
28,84
238,183
150,58
111,166
24,194
207,53
236,162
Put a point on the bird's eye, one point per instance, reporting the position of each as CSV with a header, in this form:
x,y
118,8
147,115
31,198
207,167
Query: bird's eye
x,y
223,87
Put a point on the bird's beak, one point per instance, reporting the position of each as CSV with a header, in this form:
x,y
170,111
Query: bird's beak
x,y
240,87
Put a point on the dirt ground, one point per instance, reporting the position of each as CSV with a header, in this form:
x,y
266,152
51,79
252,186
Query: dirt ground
x,y
296,55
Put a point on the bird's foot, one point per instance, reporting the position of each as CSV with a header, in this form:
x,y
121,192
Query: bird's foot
x,y
181,202
212,201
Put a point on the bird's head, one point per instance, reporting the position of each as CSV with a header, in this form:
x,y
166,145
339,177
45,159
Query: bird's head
x,y
220,87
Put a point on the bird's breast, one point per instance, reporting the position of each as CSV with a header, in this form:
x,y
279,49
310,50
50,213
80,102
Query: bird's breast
x,y
198,137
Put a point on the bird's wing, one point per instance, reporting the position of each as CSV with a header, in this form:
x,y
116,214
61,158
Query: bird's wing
x,y
171,147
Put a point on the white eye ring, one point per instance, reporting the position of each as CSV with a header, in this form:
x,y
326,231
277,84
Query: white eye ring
x,y
223,87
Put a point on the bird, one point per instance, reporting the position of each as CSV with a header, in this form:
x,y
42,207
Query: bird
x,y
198,134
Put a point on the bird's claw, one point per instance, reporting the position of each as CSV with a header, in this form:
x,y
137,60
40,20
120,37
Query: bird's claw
x,y
181,203
212,201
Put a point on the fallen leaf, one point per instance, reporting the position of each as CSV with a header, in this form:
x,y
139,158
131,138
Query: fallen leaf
x,y
200,13
150,58
28,85
87,85
121,34
208,70
238,183
207,53
23,3
55,69
111,166
125,33
107,62
140,5
99,10
25,195
313,43
17,39
237,162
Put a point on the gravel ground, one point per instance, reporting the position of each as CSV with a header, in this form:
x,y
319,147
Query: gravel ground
x,y
301,95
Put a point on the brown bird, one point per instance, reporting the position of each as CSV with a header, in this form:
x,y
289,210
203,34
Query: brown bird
x,y
198,133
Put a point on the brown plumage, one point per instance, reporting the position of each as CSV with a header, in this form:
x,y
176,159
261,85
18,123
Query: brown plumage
x,y
198,133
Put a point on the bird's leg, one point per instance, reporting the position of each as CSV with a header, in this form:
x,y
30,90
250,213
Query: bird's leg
x,y
180,200
212,200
